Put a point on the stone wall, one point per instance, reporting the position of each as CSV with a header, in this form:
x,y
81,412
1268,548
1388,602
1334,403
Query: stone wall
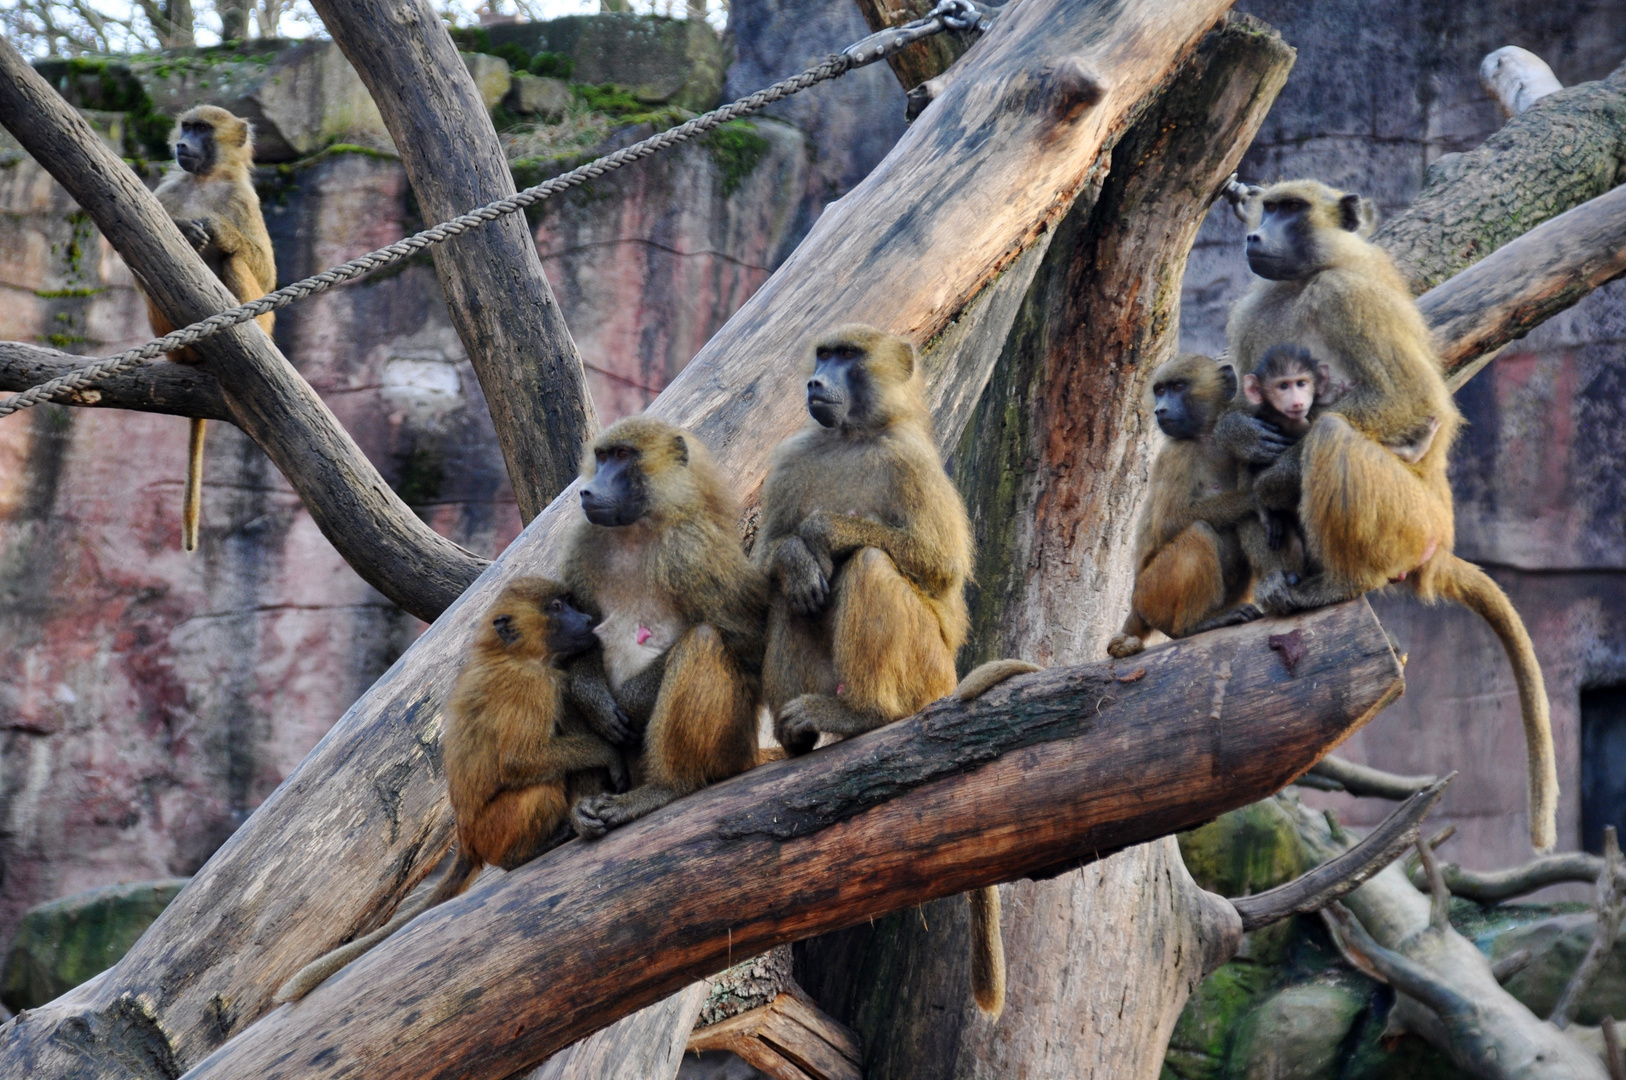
x,y
1380,91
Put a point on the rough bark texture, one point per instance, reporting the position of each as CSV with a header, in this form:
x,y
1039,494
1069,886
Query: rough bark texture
x,y
1052,466
492,277
648,1045
176,389
1567,148
1039,775
368,804
370,526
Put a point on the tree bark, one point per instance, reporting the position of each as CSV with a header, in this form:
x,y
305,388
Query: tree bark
x,y
648,1044
1054,465
365,521
1039,775
174,389
499,299
1565,149
982,176
924,59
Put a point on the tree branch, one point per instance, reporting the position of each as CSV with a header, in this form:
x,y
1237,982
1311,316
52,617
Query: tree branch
x,y
500,302
1494,886
1363,780
175,389
365,521
1041,774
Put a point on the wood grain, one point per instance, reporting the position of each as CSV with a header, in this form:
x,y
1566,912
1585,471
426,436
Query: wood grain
x,y
366,522
1042,774
789,1039
174,389
499,300
648,1045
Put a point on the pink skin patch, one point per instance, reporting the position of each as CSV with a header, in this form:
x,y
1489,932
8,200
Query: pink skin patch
x,y
644,634
841,688
1428,553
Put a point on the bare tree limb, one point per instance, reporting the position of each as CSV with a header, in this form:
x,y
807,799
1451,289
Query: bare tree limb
x,y
365,521
175,389
1610,907
1516,79
1494,886
1363,780
499,300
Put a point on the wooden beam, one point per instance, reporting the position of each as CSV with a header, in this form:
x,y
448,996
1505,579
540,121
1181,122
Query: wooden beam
x,y
1044,773
499,300
375,532
175,389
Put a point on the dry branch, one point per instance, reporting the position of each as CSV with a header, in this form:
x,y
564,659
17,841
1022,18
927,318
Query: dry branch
x,y
1363,780
1042,774
1610,906
500,302
365,521
175,389
1494,886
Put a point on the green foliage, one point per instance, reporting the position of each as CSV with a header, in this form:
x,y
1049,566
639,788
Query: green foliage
x,y
518,59
472,39
737,149
610,99
552,65
112,87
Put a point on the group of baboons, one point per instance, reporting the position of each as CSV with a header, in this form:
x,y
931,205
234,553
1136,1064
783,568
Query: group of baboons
x,y
589,702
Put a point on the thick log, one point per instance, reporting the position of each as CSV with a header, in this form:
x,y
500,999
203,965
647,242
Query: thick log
x,y
648,1044
499,300
174,389
365,521
1042,774
789,1039
1504,296
1565,149
978,179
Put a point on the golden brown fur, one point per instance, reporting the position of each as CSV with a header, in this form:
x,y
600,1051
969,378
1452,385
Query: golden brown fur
x,y
869,547
678,599
518,754
219,213
1369,515
1188,559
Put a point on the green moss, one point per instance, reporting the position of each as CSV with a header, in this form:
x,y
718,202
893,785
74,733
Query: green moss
x,y
737,149
610,99
62,294
112,87
516,55
1245,851
552,65
65,341
1198,1045
472,38
421,476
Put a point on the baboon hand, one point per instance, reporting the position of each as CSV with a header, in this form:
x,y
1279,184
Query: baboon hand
x,y
1247,438
803,577
797,733
197,233
1274,594
1124,646
589,817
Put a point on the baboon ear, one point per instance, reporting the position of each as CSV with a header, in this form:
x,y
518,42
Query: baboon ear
x,y
504,625
1227,378
1357,215
680,449
907,352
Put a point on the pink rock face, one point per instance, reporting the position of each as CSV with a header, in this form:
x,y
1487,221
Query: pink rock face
x,y
150,700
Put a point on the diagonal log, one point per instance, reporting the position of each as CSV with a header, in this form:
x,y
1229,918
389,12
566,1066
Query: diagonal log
x,y
975,182
174,389
1044,773
499,300
364,520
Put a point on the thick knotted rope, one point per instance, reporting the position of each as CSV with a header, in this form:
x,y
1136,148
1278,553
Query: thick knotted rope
x,y
956,14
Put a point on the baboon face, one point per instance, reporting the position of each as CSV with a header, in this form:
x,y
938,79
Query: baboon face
x,y
1284,243
534,617
195,149
618,492
838,384
1187,391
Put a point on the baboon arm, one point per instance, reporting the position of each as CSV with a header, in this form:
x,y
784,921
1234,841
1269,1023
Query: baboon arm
x,y
1221,511
637,695
588,690
840,536
1278,487
551,762
1248,439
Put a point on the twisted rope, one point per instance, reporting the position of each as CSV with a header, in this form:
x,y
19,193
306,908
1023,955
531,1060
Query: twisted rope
x,y
833,66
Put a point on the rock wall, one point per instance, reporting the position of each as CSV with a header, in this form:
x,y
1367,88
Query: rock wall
x,y
1379,92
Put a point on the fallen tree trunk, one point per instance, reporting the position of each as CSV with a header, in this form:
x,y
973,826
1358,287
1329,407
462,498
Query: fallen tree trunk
x,y
370,526
499,300
982,175
1041,774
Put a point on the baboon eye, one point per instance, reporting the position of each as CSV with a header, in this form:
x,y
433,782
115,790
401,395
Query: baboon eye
x,y
556,607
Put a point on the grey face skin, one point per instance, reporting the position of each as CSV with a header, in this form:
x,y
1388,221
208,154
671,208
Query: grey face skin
x,y
1172,407
617,494
1282,246
572,628
195,149
836,392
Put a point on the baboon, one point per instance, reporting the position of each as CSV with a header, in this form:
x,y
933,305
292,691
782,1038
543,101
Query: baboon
x,y
518,754
1189,562
869,548
1369,515
210,194
657,557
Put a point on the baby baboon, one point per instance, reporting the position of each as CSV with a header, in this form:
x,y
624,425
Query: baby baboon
x,y
869,548
1370,515
517,755
210,194
1188,560
658,558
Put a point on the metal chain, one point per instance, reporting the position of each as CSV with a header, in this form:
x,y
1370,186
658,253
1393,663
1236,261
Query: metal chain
x,y
949,14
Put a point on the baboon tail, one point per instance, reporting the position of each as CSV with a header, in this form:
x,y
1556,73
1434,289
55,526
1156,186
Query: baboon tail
x,y
1471,587
192,499
317,971
985,677
987,952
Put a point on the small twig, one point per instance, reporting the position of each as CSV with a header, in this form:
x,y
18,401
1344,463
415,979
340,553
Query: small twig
x,y
1340,876
1414,865
1511,964
1611,906
1363,780
1613,1059
1439,915
1494,886
1404,974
